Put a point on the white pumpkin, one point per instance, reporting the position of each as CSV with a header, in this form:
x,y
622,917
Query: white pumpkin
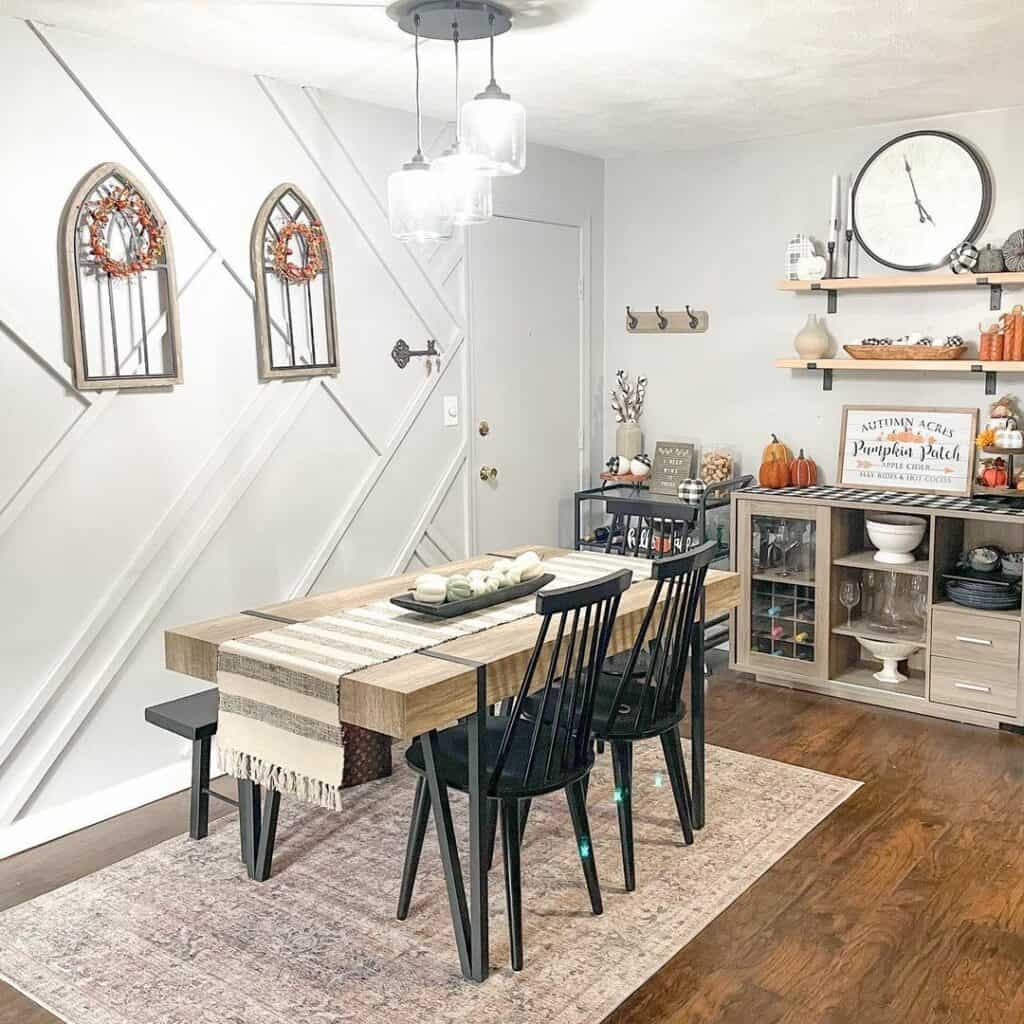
x,y
431,588
1009,439
639,468
531,572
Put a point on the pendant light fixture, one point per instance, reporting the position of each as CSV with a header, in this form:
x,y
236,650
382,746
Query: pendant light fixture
x,y
490,135
419,201
494,125
469,190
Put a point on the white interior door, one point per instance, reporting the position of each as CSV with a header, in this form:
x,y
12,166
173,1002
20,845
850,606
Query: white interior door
x,y
525,284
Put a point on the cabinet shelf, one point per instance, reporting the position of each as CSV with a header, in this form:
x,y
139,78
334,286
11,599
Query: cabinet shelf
x,y
861,627
797,579
863,674
1012,615
866,560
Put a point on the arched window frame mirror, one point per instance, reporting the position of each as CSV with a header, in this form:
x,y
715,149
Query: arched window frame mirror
x,y
118,338
301,340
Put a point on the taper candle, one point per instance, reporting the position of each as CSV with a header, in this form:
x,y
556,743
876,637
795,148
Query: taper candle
x,y
833,220
849,206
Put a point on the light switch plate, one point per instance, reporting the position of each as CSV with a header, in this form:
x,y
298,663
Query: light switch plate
x,y
451,410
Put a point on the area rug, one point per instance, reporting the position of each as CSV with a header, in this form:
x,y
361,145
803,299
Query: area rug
x,y
178,935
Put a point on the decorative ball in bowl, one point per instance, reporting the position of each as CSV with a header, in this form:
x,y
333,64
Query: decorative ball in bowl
x,y
895,536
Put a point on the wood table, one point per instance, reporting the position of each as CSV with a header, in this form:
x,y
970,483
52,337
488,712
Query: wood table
x,y
412,695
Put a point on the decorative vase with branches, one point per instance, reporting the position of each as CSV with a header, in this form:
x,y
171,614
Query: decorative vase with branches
x,y
628,406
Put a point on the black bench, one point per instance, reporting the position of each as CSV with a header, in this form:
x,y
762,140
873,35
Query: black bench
x,y
195,719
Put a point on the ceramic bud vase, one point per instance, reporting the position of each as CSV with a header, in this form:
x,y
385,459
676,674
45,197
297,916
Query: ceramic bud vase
x,y
812,340
629,440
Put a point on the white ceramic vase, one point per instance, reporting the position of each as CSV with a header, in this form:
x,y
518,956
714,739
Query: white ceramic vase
x,y
629,440
812,340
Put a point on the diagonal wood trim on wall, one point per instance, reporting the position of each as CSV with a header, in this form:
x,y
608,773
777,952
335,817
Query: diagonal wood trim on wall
x,y
128,611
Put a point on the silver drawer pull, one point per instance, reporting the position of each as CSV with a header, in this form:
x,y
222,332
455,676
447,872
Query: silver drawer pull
x,y
974,640
971,686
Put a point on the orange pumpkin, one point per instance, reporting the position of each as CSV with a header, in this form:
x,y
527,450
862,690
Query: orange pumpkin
x,y
774,471
802,471
994,475
776,451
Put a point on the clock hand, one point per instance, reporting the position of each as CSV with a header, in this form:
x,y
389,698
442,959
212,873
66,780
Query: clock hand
x,y
922,213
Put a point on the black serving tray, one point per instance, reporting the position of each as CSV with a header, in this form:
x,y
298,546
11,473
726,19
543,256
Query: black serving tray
x,y
452,609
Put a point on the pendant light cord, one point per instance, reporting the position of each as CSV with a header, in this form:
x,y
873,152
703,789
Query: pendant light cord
x,y
419,125
455,40
490,19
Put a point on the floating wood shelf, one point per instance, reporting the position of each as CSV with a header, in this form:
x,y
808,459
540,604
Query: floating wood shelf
x,y
831,286
827,366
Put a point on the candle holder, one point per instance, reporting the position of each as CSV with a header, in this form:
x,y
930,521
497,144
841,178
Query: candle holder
x,y
831,259
849,251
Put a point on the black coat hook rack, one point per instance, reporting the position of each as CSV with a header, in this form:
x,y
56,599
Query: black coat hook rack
x,y
401,353
664,321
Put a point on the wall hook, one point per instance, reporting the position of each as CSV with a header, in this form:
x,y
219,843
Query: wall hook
x,y
694,322
401,353
662,320
631,320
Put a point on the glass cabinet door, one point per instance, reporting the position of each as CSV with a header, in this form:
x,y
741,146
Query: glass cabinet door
x,y
781,625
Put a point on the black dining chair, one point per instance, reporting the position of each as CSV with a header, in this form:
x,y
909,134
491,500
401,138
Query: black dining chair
x,y
634,705
526,756
631,707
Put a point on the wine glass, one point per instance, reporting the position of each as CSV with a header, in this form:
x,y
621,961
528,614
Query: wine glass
x,y
849,598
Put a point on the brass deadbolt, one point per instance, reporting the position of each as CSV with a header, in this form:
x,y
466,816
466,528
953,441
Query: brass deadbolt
x,y
488,473
484,428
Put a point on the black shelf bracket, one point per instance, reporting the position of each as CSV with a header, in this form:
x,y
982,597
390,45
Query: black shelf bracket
x,y
832,295
826,376
995,293
990,377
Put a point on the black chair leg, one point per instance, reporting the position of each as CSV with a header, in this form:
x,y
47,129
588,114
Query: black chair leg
x,y
492,830
199,807
581,826
510,838
414,847
524,813
622,764
673,749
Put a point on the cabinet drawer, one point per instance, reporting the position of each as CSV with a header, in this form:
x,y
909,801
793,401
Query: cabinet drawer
x,y
966,684
976,638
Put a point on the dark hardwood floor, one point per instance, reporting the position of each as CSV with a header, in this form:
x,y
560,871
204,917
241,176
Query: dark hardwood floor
x,y
906,905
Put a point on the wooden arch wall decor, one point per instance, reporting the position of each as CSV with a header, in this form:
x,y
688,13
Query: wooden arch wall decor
x,y
290,261
118,287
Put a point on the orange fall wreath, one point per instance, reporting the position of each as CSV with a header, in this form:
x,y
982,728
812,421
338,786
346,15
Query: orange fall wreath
x,y
134,209
313,236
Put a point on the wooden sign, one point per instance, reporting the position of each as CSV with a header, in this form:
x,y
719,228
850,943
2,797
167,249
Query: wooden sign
x,y
921,450
673,463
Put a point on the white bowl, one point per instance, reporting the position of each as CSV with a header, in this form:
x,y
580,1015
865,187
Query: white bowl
x,y
889,654
895,537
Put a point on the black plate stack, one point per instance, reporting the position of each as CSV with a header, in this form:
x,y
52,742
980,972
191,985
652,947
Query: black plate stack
x,y
986,591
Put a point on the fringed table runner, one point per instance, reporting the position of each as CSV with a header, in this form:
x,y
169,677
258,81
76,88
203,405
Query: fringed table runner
x,y
280,717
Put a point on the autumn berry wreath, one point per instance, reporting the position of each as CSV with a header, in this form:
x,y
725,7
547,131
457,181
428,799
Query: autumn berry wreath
x,y
313,236
126,201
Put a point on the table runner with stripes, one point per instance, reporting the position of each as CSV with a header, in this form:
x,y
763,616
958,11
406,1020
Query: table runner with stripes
x,y
280,716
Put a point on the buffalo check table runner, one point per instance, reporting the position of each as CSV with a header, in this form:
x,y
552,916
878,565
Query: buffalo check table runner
x,y
280,722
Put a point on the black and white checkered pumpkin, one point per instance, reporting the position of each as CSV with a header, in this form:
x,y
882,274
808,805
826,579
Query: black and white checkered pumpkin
x,y
964,258
691,491
617,465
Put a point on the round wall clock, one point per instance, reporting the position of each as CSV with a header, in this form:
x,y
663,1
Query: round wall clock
x,y
918,198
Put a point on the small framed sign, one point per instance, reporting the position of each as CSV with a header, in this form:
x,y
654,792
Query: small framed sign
x,y
921,450
673,463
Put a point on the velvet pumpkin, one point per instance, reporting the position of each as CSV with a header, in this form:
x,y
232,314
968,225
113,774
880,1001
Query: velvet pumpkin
x,y
802,471
995,474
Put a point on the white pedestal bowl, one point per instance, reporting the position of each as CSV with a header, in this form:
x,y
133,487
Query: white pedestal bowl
x,y
890,654
895,536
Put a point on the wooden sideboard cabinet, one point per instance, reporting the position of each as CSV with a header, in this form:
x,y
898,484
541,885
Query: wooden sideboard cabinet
x,y
795,548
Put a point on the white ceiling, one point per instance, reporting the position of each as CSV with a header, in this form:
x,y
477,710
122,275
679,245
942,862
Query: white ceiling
x,y
610,77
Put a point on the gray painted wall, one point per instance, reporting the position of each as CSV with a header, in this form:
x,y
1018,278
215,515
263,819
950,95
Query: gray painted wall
x,y
710,228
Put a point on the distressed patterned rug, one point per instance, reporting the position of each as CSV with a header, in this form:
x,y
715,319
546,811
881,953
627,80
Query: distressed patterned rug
x,y
178,935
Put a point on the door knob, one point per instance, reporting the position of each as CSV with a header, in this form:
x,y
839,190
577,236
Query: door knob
x,y
488,473
484,428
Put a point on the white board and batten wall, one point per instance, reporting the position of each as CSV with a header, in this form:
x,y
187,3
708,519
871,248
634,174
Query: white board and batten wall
x,y
709,228
124,513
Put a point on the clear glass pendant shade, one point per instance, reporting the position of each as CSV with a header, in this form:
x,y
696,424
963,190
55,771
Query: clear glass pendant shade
x,y
493,127
420,207
470,191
